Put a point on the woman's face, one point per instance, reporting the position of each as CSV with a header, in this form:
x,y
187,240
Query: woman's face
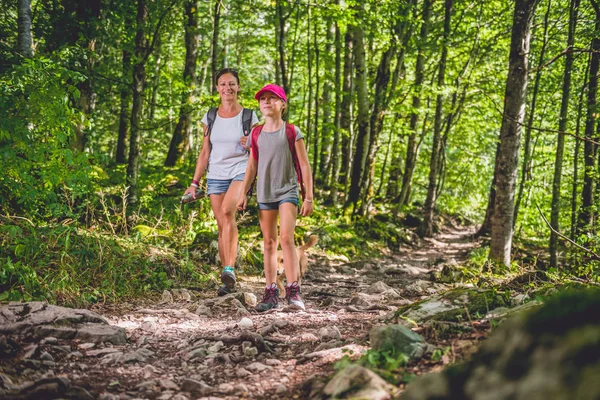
x,y
271,105
228,87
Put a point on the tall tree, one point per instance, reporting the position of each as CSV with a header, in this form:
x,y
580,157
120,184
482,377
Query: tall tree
x,y
510,131
214,69
429,208
24,36
562,126
347,112
125,108
327,128
586,212
180,142
337,119
362,139
412,145
283,12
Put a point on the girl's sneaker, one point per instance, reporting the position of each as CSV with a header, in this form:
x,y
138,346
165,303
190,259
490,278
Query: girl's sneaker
x,y
292,295
270,299
228,279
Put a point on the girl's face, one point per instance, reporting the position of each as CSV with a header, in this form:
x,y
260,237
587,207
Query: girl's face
x,y
228,87
271,105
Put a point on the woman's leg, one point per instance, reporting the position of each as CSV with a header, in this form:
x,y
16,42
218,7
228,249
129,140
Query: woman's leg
x,y
268,226
216,201
287,216
230,231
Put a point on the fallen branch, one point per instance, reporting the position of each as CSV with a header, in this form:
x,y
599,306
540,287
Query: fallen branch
x,y
594,255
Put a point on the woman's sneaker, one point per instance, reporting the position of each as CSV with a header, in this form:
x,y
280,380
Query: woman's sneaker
x,y
292,295
270,299
228,279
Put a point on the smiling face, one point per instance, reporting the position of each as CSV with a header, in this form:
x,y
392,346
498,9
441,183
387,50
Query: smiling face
x,y
271,105
228,87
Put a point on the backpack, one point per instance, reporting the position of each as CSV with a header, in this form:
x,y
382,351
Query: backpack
x,y
211,115
290,133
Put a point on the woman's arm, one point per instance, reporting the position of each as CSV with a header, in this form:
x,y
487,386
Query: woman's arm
x,y
307,205
201,163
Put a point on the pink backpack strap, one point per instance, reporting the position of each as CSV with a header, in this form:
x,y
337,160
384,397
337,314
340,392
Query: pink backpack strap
x,y
254,140
290,132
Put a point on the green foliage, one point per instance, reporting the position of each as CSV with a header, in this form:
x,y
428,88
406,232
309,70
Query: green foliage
x,y
387,364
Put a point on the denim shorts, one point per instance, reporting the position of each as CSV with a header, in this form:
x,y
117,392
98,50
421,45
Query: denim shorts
x,y
220,186
275,205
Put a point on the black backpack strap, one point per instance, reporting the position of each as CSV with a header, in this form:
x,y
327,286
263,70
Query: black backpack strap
x,y
211,115
247,121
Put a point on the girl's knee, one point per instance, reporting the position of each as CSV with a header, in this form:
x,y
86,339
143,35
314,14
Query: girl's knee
x,y
287,240
270,245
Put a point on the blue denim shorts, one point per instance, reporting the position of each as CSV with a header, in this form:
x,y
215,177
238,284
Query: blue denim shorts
x,y
220,186
275,205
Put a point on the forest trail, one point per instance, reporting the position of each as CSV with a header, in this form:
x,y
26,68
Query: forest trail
x,y
174,353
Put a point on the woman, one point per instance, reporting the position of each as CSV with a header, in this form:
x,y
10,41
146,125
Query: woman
x,y
224,155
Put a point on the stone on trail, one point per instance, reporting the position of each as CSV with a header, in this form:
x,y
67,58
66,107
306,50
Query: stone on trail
x,y
102,333
257,367
192,385
328,333
245,323
377,287
398,339
167,297
357,382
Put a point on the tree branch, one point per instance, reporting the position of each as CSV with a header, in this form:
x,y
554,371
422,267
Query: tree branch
x,y
596,256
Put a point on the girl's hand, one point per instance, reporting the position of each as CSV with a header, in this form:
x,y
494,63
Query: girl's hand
x,y
307,208
244,142
242,202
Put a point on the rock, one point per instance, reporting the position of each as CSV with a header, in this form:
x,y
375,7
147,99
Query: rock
x,y
204,310
32,351
102,333
101,352
272,361
240,387
168,384
398,339
377,287
242,372
196,354
329,332
357,382
308,337
257,367
548,352
215,347
250,300
245,323
453,305
333,343
45,356
192,385
167,297
181,295
226,388
280,389
502,313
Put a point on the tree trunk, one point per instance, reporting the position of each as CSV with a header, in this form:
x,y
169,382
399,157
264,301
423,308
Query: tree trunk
x,y
429,208
510,132
327,126
576,157
180,142
125,109
281,41
560,144
158,61
24,36
527,156
310,86
139,83
362,140
347,112
335,153
412,146
214,70
315,136
586,214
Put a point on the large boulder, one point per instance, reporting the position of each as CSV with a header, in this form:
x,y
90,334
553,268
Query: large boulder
x,y
398,339
552,352
357,382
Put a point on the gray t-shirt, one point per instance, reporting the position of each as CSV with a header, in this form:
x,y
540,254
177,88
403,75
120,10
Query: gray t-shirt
x,y
277,178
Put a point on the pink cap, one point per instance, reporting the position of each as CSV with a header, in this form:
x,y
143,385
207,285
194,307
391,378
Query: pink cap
x,y
273,88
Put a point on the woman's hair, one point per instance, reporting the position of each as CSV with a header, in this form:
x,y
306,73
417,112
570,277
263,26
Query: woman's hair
x,y
227,71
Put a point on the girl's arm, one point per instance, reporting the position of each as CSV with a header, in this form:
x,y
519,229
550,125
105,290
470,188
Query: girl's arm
x,y
307,205
201,164
249,177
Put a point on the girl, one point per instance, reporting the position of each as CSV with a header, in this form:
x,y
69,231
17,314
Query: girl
x,y
225,151
277,192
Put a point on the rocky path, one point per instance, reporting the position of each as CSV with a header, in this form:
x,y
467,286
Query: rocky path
x,y
189,346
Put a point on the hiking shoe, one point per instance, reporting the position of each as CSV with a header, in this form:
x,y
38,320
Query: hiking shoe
x,y
292,295
228,279
270,299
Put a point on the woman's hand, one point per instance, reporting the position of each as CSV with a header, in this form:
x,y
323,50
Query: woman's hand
x,y
242,202
191,190
307,208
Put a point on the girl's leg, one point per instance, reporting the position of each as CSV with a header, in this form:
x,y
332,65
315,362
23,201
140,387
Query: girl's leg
x,y
268,226
287,216
229,238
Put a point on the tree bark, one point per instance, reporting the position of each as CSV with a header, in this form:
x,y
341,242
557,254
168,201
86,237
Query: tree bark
x,y
586,212
560,144
335,153
315,136
362,139
180,142
281,42
139,83
510,132
24,28
327,126
412,146
214,70
429,208
576,157
125,109
347,112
